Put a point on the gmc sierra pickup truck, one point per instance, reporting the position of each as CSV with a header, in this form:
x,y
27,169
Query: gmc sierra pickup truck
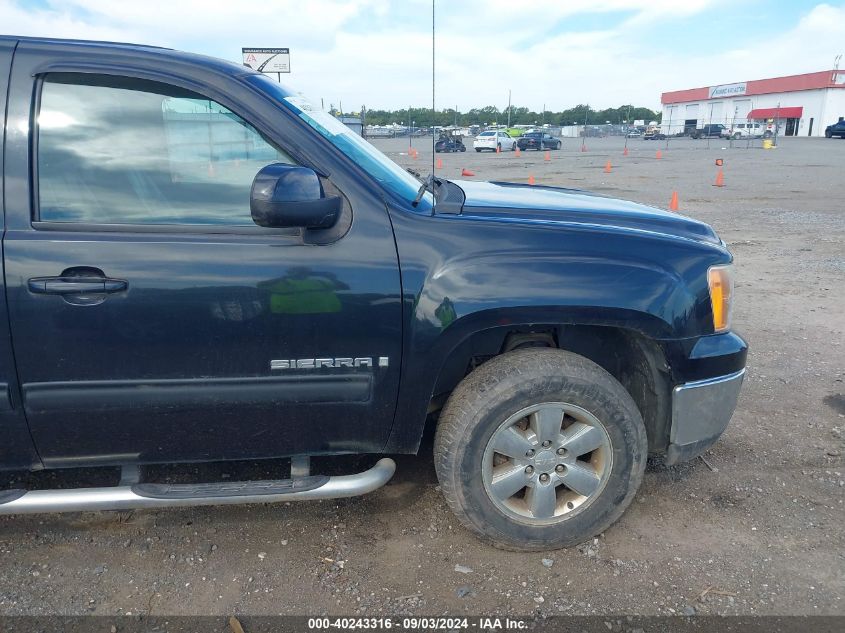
x,y
198,265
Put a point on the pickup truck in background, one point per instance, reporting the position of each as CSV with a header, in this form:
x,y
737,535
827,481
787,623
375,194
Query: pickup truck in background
x,y
711,130
199,265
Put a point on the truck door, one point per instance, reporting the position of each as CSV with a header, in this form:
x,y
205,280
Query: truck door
x,y
16,449
151,319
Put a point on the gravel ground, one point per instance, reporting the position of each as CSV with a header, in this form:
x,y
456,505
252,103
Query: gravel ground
x,y
757,529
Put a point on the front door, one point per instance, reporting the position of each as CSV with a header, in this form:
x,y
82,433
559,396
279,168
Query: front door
x,y
147,309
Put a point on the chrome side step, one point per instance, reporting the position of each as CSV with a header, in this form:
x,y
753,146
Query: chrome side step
x,y
181,495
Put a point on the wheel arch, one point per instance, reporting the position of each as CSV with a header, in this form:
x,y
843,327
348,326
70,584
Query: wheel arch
x,y
636,361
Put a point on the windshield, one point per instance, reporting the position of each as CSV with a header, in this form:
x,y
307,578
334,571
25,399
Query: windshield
x,y
364,154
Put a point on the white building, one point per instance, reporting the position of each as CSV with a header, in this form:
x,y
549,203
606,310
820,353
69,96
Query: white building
x,y
800,105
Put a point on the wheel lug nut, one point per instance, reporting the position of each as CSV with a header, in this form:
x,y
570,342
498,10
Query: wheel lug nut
x,y
561,451
544,478
560,468
529,470
529,452
547,443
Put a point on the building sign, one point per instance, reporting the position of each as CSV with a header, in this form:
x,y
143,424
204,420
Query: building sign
x,y
267,60
727,90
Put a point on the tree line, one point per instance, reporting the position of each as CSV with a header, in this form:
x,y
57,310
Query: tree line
x,y
488,115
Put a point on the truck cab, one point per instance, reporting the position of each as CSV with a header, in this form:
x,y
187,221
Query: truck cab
x,y
201,265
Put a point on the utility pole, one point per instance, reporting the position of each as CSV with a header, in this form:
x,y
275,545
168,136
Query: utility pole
x,y
584,134
509,108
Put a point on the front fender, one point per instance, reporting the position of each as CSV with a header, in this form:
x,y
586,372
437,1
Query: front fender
x,y
462,276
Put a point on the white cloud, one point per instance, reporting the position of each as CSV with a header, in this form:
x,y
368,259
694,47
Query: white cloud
x,y
377,52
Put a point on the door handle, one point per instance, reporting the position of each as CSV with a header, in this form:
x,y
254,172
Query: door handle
x,y
76,285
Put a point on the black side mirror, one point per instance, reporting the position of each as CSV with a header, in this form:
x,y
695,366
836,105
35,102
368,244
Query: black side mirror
x,y
292,196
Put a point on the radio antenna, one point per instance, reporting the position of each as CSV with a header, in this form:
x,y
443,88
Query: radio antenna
x,y
433,112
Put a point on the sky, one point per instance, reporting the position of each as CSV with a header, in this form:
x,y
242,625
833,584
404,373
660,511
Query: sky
x,y
557,53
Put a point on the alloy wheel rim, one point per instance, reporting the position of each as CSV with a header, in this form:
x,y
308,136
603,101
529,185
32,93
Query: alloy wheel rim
x,y
547,462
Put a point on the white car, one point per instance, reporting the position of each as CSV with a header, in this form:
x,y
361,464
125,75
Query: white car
x,y
493,139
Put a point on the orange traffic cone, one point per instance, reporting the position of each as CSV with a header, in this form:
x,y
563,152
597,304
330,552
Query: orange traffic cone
x,y
608,168
583,148
548,156
720,179
467,172
518,153
673,204
659,154
625,153
439,164
530,180
498,149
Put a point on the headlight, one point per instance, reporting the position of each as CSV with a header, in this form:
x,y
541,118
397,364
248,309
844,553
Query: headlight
x,y
720,281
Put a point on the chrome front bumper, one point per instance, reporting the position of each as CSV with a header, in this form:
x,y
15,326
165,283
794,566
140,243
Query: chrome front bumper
x,y
701,411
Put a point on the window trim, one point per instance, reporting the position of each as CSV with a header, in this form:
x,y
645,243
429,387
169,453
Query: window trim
x,y
38,224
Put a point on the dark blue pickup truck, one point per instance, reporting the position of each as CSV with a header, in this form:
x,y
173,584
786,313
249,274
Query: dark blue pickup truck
x,y
198,265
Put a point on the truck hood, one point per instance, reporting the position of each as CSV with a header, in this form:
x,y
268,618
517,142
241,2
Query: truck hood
x,y
511,202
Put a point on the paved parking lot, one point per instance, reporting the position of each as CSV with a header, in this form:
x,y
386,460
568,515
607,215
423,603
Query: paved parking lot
x,y
757,529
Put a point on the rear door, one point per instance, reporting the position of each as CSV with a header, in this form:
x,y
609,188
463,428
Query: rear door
x,y
147,309
16,448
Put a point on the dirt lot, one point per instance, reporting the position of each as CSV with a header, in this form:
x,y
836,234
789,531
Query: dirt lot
x,y
760,531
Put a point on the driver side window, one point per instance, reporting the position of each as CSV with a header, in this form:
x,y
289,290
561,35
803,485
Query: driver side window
x,y
114,150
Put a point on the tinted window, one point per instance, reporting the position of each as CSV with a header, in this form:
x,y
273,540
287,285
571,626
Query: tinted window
x,y
118,151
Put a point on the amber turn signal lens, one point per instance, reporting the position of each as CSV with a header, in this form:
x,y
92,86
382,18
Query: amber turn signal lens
x,y
720,280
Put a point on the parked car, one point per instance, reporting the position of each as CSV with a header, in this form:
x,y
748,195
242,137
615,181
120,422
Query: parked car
x,y
711,130
654,135
280,288
538,141
749,130
633,134
449,144
837,129
593,131
494,139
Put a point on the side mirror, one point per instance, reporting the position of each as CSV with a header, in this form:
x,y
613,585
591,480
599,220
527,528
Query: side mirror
x,y
291,196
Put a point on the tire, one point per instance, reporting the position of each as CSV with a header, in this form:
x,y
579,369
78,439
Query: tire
x,y
737,136
513,147
499,147
526,386
478,149
463,148
828,134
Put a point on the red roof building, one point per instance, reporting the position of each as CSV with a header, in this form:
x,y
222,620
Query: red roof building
x,y
797,105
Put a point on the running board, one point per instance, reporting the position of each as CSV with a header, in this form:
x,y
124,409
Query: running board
x,y
181,495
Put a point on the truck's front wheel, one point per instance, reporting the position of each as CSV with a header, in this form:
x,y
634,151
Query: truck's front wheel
x,y
539,449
